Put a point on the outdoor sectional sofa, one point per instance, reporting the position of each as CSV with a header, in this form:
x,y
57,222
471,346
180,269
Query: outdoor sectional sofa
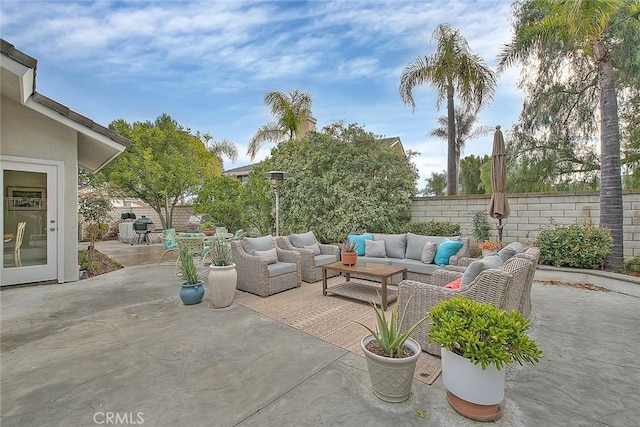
x,y
406,250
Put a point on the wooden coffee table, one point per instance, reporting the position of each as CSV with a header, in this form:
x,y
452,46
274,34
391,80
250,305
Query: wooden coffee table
x,y
362,291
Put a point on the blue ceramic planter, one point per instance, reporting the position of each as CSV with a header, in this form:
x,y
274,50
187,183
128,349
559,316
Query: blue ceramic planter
x,y
191,294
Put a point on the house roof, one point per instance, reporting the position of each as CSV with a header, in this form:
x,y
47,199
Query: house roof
x,y
395,143
97,145
241,170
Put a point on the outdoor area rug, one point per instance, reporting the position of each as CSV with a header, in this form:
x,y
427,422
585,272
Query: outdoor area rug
x,y
330,318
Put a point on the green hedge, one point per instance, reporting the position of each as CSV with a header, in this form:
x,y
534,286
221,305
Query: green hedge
x,y
432,228
578,246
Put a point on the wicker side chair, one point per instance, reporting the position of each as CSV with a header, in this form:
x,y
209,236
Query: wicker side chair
x,y
312,261
502,287
533,255
257,276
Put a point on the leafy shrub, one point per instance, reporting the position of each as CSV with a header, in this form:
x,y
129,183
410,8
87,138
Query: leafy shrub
x,y
578,246
432,228
632,267
480,226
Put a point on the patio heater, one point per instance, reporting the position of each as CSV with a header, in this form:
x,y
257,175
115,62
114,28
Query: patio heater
x,y
277,178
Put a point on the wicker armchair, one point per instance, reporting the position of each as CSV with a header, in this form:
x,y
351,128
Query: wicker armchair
x,y
503,287
311,262
257,276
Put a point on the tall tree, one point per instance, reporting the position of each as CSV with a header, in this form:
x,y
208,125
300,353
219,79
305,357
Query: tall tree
x,y
436,184
465,121
291,112
470,174
164,164
571,33
453,70
221,148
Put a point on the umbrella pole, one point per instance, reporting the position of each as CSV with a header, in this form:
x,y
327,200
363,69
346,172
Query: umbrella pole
x,y
500,229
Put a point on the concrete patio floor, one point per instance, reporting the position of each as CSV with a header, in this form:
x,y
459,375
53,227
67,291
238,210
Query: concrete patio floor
x,y
122,345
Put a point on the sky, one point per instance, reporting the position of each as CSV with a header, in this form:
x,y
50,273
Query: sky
x,y
208,64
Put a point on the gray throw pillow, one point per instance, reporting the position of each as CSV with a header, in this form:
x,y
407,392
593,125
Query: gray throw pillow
x,y
375,248
510,250
428,252
315,248
302,240
415,244
263,243
270,256
477,267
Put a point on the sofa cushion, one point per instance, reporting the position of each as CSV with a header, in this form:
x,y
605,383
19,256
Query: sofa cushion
x,y
358,240
324,259
270,256
363,259
428,252
374,248
315,248
510,250
263,243
414,266
280,268
446,249
395,244
302,240
477,267
415,245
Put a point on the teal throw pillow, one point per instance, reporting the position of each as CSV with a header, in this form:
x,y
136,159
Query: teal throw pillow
x,y
446,249
359,239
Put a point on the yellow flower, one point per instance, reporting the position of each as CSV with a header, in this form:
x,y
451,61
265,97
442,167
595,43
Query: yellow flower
x,y
491,246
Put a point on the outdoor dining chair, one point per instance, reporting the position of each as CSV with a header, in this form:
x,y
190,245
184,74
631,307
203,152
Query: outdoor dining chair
x,y
169,242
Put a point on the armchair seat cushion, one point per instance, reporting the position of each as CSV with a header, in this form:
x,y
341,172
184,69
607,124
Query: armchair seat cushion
x,y
324,259
280,268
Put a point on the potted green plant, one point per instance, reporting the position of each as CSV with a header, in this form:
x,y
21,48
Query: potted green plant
x,y
222,276
478,340
391,355
348,253
191,290
208,228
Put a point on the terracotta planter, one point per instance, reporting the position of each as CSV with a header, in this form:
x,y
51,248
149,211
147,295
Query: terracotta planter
x,y
209,232
349,258
391,378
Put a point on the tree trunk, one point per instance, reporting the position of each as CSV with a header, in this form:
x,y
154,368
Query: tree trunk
x,y
611,211
452,179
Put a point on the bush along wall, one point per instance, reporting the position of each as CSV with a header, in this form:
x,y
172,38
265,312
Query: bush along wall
x,y
577,246
432,228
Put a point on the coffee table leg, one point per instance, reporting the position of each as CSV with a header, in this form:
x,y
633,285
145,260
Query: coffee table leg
x,y
384,294
324,281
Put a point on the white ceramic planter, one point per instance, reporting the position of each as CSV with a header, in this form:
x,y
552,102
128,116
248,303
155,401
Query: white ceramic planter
x,y
222,285
470,382
391,378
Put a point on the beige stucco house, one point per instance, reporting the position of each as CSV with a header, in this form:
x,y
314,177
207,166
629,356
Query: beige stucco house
x,y
42,144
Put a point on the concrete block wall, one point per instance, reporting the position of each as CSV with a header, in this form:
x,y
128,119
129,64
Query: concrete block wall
x,y
181,215
531,212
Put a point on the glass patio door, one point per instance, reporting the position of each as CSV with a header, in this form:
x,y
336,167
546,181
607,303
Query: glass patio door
x,y
29,222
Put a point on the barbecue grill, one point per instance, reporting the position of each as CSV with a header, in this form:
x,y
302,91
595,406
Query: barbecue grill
x,y
142,227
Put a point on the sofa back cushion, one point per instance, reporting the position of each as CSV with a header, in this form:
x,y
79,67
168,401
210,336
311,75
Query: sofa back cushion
x,y
263,243
476,267
395,244
302,240
358,240
415,244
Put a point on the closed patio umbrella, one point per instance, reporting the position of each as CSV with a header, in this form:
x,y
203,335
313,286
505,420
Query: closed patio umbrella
x,y
498,206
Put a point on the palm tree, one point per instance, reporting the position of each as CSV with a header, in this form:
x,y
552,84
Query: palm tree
x,y
220,148
453,71
582,26
465,120
291,111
